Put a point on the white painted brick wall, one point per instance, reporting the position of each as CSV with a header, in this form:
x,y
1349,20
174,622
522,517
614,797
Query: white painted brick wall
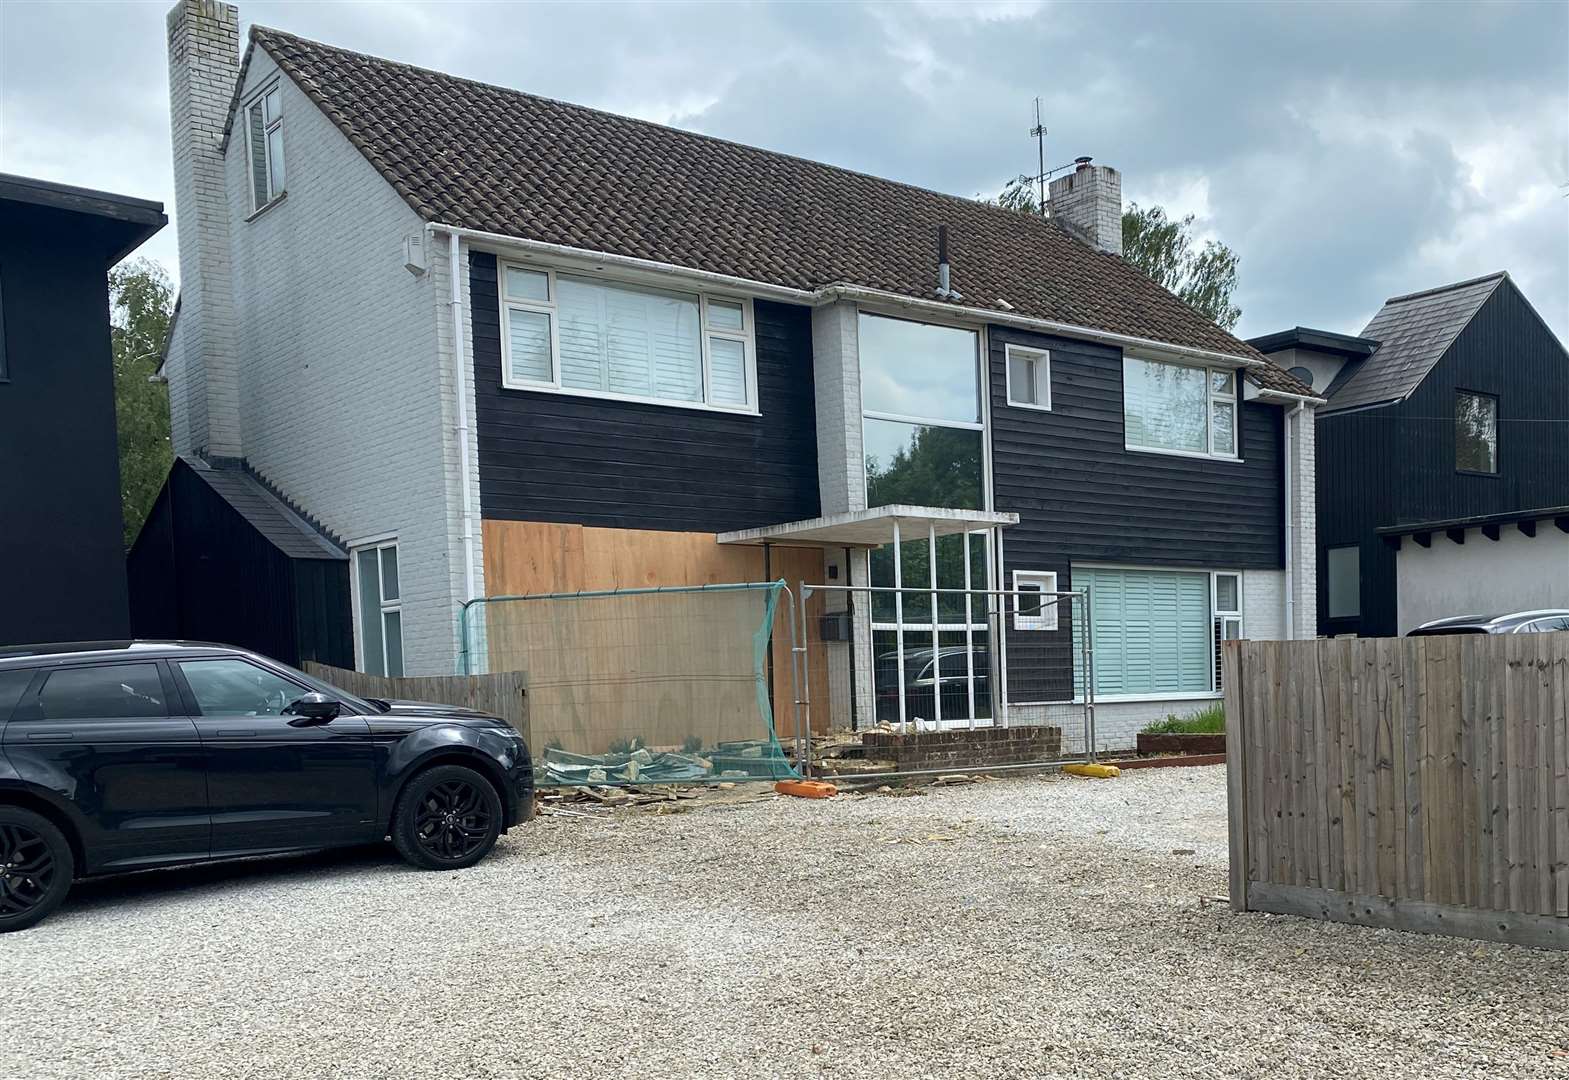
x,y
1264,604
203,40
343,394
836,374
1091,198
1304,498
1117,723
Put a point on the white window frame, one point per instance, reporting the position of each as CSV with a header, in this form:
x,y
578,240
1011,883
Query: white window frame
x,y
1047,619
378,544
1211,397
1223,618
1042,360
747,336
259,101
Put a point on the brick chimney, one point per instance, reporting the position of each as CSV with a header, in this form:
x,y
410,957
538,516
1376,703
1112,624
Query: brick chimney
x,y
204,65
1090,199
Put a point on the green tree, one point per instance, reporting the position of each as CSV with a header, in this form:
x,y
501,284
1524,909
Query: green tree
x,y
141,303
1205,279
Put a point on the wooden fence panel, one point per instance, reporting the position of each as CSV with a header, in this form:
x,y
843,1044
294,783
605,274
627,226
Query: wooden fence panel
x,y
503,694
1418,783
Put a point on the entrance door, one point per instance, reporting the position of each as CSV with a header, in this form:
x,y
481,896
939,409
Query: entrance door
x,y
278,782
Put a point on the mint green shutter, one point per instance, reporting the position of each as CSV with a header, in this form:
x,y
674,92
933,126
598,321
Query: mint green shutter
x,y
1151,631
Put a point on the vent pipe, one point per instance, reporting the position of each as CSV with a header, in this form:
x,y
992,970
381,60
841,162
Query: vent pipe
x,y
944,286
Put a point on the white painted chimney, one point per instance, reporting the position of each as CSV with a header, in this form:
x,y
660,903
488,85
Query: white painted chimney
x,y
1090,199
204,65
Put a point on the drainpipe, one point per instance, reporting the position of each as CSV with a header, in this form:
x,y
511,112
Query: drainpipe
x,y
1291,594
460,384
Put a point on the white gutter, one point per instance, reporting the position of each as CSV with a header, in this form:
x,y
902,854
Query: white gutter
x,y
461,390
1283,395
842,291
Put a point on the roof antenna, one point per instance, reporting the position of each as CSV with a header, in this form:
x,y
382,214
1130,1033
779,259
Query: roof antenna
x,y
1039,131
944,289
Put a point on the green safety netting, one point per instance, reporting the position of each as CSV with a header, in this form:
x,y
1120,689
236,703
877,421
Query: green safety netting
x,y
639,686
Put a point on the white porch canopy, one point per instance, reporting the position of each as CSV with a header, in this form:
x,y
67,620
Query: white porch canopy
x,y
873,528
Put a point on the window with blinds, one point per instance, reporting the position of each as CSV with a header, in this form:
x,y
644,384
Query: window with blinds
x,y
600,338
1176,409
1152,631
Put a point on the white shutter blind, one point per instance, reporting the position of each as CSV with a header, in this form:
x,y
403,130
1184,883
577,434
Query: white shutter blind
x,y
528,341
727,363
627,340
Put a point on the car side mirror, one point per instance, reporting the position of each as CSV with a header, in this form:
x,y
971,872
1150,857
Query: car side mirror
x,y
315,706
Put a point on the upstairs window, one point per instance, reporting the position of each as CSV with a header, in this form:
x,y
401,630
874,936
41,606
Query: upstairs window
x,y
1476,432
1029,377
264,125
1176,409
610,339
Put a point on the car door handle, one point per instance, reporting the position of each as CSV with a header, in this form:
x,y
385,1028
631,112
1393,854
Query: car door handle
x,y
236,733
50,736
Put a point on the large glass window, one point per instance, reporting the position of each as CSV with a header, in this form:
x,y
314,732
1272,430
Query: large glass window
x,y
604,338
1343,569
1476,432
1179,409
1152,631
380,599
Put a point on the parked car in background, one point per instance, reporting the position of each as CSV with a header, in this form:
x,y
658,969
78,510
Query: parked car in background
x,y
951,681
1521,622
120,756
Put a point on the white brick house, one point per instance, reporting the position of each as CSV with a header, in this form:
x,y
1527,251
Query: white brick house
x,y
716,349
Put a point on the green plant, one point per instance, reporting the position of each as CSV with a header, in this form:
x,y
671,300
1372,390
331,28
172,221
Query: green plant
x,y
691,744
1210,720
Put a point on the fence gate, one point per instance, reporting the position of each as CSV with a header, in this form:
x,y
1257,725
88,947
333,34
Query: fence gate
x,y
910,680
645,686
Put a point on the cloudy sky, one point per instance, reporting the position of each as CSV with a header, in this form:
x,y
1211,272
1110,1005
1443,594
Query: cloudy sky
x,y
1348,152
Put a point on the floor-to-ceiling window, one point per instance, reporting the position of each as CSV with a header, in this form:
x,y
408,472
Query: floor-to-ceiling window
x,y
924,436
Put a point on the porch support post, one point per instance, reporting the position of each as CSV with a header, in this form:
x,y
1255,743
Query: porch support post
x,y
898,618
969,633
931,566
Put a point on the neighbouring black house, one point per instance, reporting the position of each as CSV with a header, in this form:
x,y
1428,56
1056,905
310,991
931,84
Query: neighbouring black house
x,y
1444,444
62,555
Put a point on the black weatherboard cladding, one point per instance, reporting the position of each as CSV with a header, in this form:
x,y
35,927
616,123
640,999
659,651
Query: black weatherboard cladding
x,y
1395,465
1082,497
630,465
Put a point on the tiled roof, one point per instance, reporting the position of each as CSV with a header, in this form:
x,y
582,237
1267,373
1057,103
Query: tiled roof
x,y
1413,332
497,160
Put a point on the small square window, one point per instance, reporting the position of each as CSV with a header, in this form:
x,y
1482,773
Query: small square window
x,y
527,284
1035,600
1029,377
726,315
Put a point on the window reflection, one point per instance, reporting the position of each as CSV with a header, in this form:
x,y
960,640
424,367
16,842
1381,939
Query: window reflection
x,y
918,370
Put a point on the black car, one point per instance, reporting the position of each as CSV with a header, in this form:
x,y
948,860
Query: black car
x,y
119,756
1520,622
920,702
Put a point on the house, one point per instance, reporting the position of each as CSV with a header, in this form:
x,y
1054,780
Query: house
x,y
61,541
1443,458
502,345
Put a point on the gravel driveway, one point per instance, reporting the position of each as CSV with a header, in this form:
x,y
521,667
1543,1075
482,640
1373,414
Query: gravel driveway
x,y
1025,927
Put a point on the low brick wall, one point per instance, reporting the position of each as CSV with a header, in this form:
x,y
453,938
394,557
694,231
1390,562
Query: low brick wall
x,y
962,749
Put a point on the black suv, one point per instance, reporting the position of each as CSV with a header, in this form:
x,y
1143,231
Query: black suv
x,y
125,755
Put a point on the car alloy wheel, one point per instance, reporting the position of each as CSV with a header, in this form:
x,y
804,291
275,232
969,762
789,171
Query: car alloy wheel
x,y
453,820
27,870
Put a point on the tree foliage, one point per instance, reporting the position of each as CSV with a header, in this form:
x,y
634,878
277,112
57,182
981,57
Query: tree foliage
x,y
141,304
1205,279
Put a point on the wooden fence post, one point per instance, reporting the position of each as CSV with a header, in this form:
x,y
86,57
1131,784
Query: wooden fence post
x,y
1233,672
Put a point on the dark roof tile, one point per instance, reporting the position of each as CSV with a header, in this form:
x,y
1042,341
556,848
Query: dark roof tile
x,y
497,160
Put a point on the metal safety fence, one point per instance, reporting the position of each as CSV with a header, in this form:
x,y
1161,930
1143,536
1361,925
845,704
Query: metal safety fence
x,y
647,686
911,680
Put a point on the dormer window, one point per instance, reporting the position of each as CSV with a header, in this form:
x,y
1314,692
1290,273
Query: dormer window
x,y
1176,409
264,130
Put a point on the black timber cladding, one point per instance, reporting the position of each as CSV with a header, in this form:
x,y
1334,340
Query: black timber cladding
x,y
222,559
1083,497
615,464
1395,465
